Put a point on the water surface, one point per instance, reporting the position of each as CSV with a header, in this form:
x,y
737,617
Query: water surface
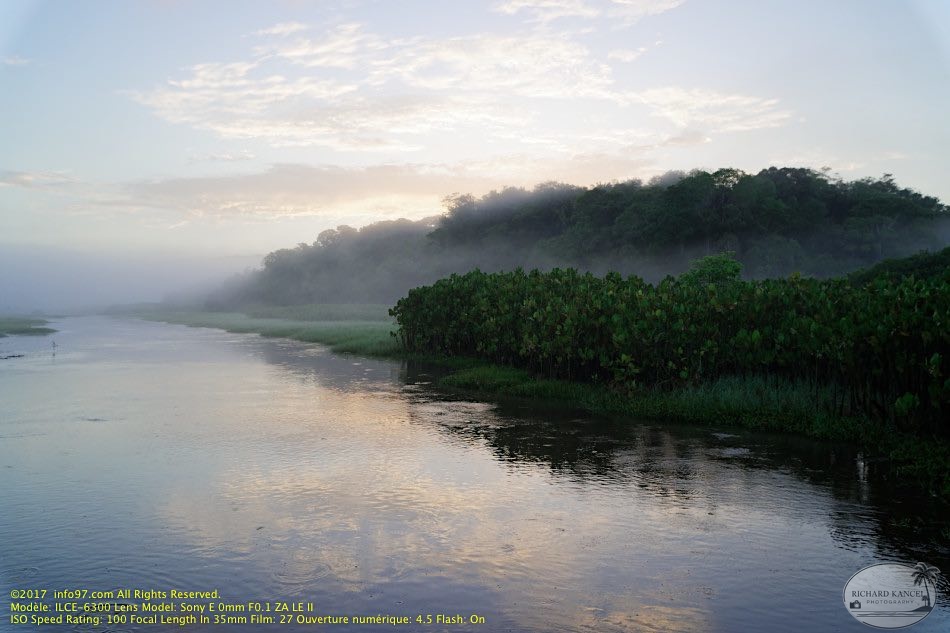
x,y
155,456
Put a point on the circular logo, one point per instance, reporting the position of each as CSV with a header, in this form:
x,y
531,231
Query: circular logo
x,y
891,595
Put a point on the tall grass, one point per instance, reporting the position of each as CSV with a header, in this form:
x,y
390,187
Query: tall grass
x,y
752,401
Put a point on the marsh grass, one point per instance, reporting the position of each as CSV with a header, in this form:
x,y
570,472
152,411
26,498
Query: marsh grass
x,y
369,338
755,402
23,325
322,312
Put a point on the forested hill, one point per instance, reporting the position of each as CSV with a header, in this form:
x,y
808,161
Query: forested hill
x,y
778,221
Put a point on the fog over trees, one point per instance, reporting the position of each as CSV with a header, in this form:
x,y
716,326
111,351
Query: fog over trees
x,y
778,221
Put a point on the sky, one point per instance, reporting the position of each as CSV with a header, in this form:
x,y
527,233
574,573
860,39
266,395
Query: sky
x,y
221,130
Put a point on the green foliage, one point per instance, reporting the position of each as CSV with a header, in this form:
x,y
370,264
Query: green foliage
x,y
778,221
877,351
492,378
923,265
719,270
759,402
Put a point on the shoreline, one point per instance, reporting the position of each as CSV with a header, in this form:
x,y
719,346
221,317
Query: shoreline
x,y
751,402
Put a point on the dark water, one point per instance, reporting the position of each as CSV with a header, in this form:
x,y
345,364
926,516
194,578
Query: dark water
x,y
153,456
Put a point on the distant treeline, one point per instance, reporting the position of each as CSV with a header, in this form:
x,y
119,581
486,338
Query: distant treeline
x,y
878,350
778,221
922,266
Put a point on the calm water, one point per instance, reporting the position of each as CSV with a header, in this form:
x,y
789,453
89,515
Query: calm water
x,y
156,456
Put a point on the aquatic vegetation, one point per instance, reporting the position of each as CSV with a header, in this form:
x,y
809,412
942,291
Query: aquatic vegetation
x,y
878,351
369,338
827,358
23,325
831,359
321,312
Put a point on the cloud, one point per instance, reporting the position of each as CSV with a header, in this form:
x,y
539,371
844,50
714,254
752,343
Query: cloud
x,y
344,47
41,180
412,190
626,55
547,10
307,113
224,157
628,11
297,190
534,65
531,64
282,29
395,91
228,100
583,168
687,138
16,60
352,90
69,195
713,111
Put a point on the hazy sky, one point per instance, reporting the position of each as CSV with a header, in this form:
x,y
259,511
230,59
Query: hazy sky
x,y
234,128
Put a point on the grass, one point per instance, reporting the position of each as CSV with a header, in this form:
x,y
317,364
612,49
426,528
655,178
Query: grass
x,y
322,312
755,402
23,325
368,338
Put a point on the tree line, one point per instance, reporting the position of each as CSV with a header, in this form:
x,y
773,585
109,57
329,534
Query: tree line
x,y
777,221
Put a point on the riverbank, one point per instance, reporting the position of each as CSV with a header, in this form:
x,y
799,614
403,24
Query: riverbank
x,y
352,336
753,402
281,467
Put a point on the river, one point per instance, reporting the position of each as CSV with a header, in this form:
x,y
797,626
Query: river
x,y
154,456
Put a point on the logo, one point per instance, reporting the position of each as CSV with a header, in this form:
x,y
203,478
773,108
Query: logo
x,y
891,595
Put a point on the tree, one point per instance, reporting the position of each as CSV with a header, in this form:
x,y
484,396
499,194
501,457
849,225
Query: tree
x,y
774,256
718,269
926,575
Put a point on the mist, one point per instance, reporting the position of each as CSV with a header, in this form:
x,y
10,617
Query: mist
x,y
57,281
776,222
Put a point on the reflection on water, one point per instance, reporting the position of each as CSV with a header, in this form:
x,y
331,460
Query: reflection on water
x,y
155,456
